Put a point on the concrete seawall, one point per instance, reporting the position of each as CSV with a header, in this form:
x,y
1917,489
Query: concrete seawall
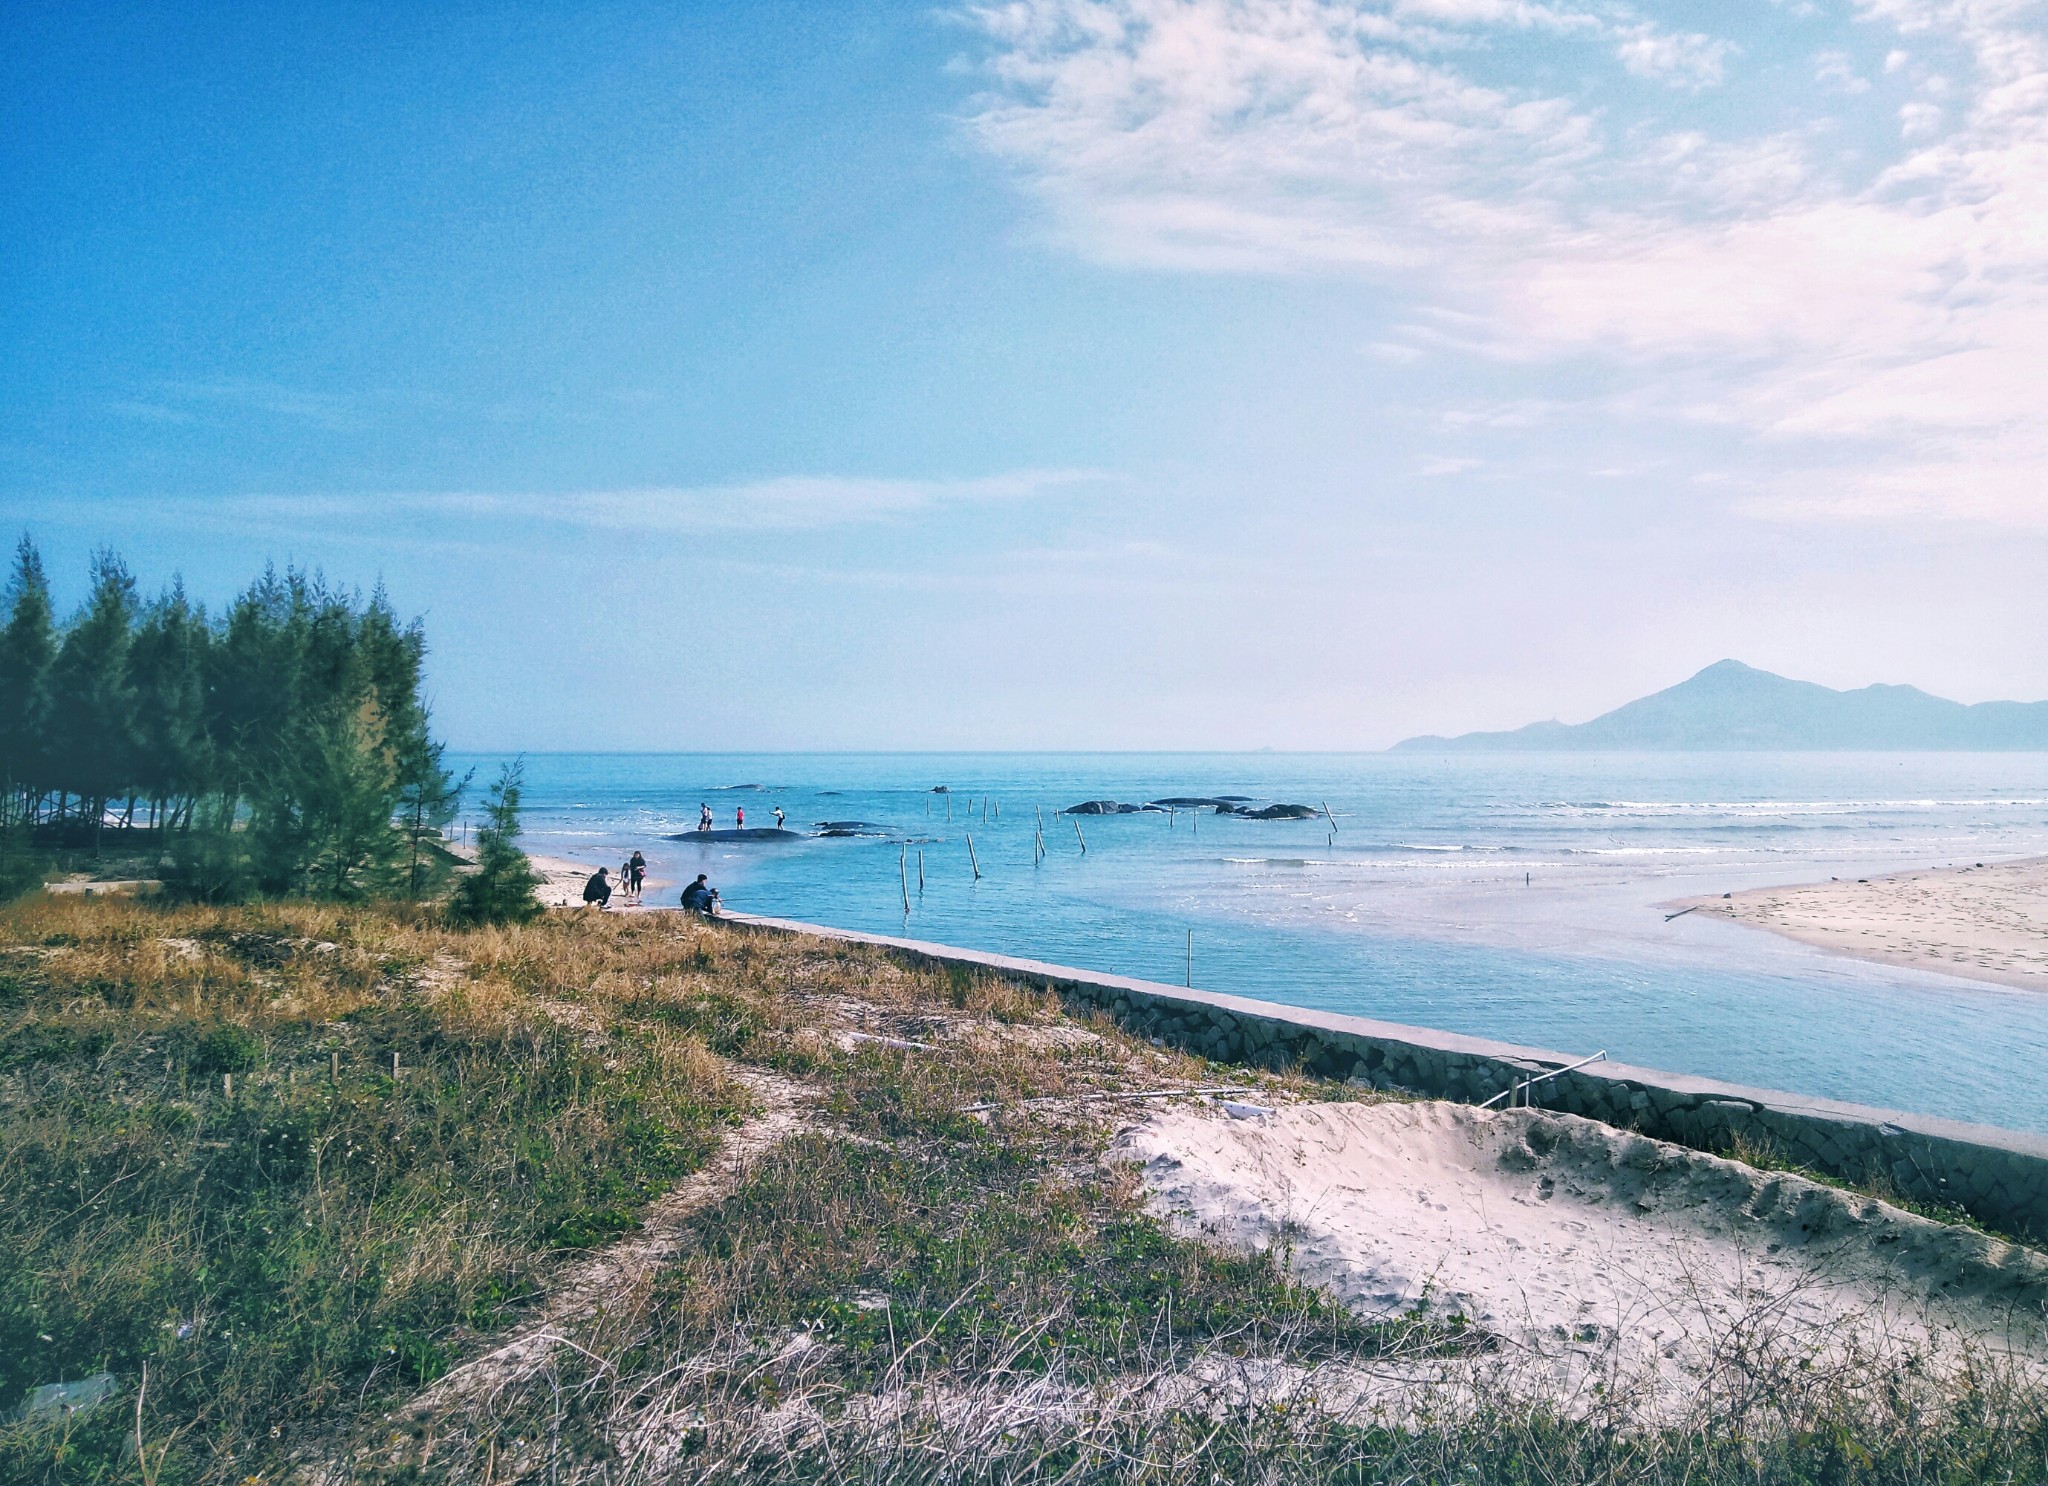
x,y
1999,1177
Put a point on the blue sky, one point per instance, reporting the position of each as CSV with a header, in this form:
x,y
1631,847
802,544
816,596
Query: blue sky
x,y
1058,373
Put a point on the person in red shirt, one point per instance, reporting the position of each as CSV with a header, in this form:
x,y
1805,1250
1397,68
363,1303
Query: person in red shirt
x,y
739,817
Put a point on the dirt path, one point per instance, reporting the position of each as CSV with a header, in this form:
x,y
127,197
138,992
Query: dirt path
x,y
619,1268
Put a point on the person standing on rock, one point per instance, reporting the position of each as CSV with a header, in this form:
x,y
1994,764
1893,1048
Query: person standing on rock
x,y
703,817
778,817
739,817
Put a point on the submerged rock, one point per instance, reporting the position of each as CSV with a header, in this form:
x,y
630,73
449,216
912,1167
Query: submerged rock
x,y
850,828
751,833
1277,812
1104,807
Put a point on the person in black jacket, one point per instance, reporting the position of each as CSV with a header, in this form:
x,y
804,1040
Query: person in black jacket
x,y
598,890
701,897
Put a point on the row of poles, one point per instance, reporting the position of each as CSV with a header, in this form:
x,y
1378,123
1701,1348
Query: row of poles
x,y
1038,851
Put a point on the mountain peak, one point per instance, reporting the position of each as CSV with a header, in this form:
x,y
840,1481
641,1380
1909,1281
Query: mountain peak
x,y
1731,706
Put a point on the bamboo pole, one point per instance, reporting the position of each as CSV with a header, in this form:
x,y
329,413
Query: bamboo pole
x,y
903,875
972,858
1191,960
1075,822
920,871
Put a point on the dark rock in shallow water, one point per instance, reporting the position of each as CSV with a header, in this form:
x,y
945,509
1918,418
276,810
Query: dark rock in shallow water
x,y
1103,807
1278,812
942,789
1194,802
751,833
850,828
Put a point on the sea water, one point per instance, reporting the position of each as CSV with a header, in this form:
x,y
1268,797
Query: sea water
x,y
1508,896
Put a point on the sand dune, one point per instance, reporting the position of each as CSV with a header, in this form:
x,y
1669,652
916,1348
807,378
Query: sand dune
x,y
1984,923
1586,1243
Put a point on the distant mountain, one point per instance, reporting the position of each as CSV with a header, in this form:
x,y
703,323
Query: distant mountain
x,y
1730,706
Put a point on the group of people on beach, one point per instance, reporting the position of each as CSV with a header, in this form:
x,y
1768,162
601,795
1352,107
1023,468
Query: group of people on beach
x,y
699,897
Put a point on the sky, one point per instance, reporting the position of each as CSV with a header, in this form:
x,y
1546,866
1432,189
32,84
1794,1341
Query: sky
x,y
1047,374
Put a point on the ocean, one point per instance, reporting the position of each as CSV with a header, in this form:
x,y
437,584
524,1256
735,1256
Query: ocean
x,y
1506,896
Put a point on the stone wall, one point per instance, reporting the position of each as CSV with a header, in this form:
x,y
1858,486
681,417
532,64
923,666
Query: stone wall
x,y
1999,1177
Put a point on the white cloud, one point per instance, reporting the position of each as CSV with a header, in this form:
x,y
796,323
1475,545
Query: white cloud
x,y
1919,120
1879,327
1835,70
1690,60
787,504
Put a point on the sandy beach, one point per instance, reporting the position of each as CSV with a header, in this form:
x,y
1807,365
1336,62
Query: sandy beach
x,y
1584,1244
1983,921
562,885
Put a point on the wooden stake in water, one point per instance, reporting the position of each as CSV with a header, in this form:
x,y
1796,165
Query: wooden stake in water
x,y
1191,960
920,871
972,858
1077,834
949,807
903,875
1329,817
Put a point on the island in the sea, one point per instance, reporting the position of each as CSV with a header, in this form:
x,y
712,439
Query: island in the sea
x,y
1730,706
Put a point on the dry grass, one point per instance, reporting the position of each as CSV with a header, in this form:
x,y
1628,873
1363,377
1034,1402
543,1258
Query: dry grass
x,y
899,1290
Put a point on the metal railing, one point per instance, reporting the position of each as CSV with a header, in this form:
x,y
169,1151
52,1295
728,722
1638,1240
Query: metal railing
x,y
1518,1095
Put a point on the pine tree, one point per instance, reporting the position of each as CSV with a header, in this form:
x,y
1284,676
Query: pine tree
x,y
167,666
28,650
92,741
500,890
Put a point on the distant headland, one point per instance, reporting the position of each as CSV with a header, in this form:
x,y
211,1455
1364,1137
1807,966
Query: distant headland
x,y
1733,707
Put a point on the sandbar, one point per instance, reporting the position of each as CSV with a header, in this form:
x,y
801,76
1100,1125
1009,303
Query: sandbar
x,y
1983,922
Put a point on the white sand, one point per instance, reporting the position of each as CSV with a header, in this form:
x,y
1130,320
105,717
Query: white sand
x,y
562,885
1568,1236
1984,923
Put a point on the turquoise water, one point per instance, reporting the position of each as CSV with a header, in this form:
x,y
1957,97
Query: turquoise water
x,y
1508,896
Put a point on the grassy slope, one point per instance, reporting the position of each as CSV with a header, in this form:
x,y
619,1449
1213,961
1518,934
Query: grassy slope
x,y
901,1291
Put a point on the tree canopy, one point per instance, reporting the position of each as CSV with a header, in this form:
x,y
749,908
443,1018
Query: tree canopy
x,y
282,747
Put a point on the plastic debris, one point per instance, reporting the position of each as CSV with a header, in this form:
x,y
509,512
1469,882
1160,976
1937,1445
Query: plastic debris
x,y
67,1398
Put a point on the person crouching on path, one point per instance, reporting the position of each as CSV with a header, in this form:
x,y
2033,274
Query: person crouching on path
x,y
701,897
598,890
